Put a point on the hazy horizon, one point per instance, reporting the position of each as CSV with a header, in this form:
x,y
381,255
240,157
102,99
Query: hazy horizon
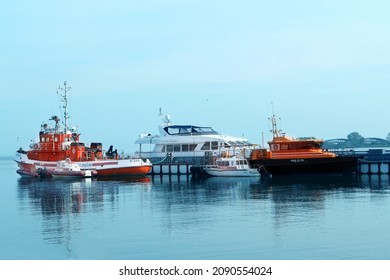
x,y
324,66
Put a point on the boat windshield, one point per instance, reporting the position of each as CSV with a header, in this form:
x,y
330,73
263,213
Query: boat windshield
x,y
238,143
189,130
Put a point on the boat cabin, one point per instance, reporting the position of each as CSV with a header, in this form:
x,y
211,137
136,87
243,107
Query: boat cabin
x,y
232,163
283,147
55,144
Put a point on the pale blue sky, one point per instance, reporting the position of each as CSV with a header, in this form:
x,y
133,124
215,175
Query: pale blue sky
x,y
325,65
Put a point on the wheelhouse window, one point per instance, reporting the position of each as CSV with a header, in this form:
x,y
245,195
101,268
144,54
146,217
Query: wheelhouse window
x,y
172,148
189,130
173,130
204,130
214,145
186,147
308,145
284,147
293,147
206,146
222,163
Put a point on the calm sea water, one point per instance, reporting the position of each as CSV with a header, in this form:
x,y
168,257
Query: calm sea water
x,y
288,217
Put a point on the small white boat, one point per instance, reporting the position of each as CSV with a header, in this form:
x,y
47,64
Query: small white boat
x,y
231,167
67,169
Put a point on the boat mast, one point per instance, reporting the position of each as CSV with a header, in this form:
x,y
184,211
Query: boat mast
x,y
64,99
274,130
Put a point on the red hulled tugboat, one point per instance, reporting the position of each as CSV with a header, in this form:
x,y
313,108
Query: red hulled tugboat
x,y
57,144
302,155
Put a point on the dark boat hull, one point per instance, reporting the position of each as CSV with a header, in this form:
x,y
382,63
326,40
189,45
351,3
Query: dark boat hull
x,y
348,164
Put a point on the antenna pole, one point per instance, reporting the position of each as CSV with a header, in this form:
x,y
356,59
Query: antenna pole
x,y
64,99
274,130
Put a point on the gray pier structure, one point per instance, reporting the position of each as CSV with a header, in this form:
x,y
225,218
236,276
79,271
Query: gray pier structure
x,y
180,165
373,161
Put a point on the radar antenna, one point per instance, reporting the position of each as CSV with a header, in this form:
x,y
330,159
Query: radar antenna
x,y
166,119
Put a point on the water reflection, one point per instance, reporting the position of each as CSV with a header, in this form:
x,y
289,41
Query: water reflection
x,y
163,211
70,196
311,189
375,181
281,187
61,203
73,196
58,198
187,190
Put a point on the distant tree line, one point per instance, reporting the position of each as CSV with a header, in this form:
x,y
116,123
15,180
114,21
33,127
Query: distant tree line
x,y
355,140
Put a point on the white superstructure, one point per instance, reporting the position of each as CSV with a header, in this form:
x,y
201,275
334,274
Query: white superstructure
x,y
189,144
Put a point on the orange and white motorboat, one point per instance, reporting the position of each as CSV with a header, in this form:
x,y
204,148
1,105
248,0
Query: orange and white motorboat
x,y
57,144
300,155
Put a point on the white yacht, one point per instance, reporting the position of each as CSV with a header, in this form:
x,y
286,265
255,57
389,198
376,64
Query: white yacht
x,y
189,144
